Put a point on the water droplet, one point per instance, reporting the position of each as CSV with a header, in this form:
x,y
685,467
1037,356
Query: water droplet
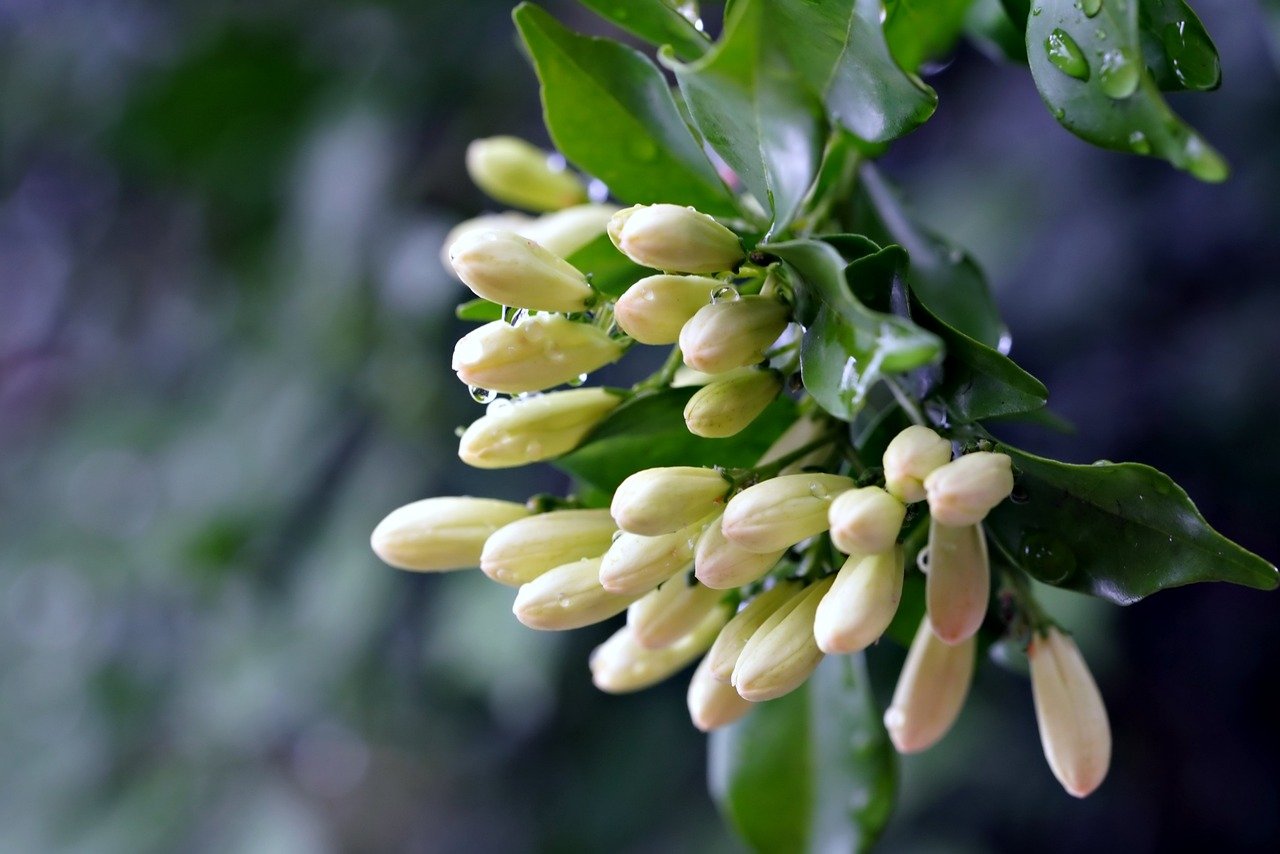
x,y
616,535
555,354
1059,113
1019,494
480,395
1047,557
1118,76
597,191
649,295
1005,344
1192,55
1138,143
1064,53
563,601
556,162
578,380
819,491
922,560
533,449
1103,463
1091,7
728,293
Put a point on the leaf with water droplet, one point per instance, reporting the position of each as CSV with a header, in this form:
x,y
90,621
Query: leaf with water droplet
x,y
1118,73
656,21
1066,55
1177,48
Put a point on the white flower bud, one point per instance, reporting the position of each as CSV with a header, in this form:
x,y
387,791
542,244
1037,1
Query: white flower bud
x,y
959,581
732,333
727,406
781,511
567,597
526,548
656,308
508,269
675,239
514,172
964,490
565,232
782,653
931,691
663,616
539,352
441,533
722,564
712,703
621,665
533,429
861,603
661,500
733,637
865,521
910,457
505,221
636,564
1073,723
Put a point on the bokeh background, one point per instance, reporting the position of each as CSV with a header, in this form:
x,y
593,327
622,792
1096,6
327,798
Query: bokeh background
x,y
224,341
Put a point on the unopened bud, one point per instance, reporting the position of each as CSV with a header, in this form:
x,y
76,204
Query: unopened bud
x,y
636,564
656,308
675,239
861,603
514,172
964,490
441,533
505,221
661,500
727,406
782,511
959,581
567,597
1074,730
712,703
539,352
521,551
911,456
722,564
733,637
732,333
663,616
865,521
621,664
565,232
533,429
931,690
782,653
508,269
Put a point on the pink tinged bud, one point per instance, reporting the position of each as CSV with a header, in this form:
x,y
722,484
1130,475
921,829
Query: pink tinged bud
x,y
507,221
712,703
1073,721
910,458
656,308
663,616
733,637
567,597
441,533
508,269
931,691
865,521
782,653
514,172
963,491
675,239
959,581
636,564
722,564
860,604
727,407
521,551
732,333
782,511
621,664
534,429
661,500
539,352
565,232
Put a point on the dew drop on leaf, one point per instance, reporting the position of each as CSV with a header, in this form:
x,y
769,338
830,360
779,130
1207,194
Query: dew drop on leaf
x,y
480,395
728,293
1066,55
1118,74
1138,143
1092,7
1048,558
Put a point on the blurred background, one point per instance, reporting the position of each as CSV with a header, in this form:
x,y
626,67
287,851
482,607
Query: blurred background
x,y
224,342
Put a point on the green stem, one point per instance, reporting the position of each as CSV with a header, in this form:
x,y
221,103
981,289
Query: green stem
x,y
664,375
772,469
904,400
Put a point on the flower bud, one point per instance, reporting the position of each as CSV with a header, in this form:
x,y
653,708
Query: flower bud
x,y
865,521
441,533
661,500
732,333
508,269
712,703
674,239
861,603
1073,721
567,597
722,564
621,665
533,429
959,581
521,551
782,653
964,490
656,308
537,353
733,637
781,511
725,407
910,457
514,172
565,232
663,616
931,691
636,564
505,221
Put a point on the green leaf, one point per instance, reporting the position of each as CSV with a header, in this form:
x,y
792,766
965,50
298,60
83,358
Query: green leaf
x,y
649,431
1091,73
609,111
1176,46
610,271
479,310
655,21
1118,531
918,30
809,772
991,26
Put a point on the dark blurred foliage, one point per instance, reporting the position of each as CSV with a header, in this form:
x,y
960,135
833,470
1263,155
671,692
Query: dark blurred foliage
x,y
224,340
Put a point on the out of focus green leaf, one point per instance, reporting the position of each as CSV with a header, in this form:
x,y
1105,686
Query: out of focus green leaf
x,y
990,26
919,30
610,271
1176,46
478,310
655,21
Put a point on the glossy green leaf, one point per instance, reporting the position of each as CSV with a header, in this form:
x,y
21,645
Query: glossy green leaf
x,y
609,270
609,111
1176,46
1118,531
655,21
809,772
991,27
478,310
1091,73
919,30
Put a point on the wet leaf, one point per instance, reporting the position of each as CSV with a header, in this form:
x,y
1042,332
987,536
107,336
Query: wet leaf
x,y
655,21
919,30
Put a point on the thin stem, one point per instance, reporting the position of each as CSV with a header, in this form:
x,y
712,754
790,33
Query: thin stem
x,y
664,375
904,400
1028,608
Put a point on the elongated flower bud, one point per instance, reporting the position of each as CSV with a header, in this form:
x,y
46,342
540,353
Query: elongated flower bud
x,y
726,407
567,597
675,239
533,429
722,564
508,269
521,551
964,490
663,616
1073,722
656,308
712,703
621,664
505,221
782,653
732,333
565,232
931,691
910,458
959,581
441,533
782,511
537,353
514,172
861,603
865,521
661,500
725,652
636,564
